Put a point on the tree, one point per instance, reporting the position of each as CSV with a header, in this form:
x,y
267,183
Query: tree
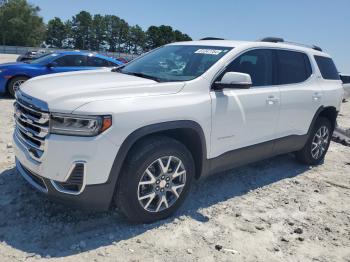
x,y
153,37
112,22
117,33
162,35
123,32
98,32
81,30
20,24
136,40
56,33
179,36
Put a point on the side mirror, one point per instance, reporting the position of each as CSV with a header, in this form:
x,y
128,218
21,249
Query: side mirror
x,y
51,65
234,80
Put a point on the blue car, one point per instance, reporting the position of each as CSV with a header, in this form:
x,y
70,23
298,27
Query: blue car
x,y
12,75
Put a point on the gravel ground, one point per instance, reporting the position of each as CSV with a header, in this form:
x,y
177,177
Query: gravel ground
x,y
274,210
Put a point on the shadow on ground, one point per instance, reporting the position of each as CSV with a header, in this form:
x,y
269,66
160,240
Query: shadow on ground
x,y
31,223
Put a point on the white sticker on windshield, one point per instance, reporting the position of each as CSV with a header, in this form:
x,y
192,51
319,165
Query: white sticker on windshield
x,y
208,51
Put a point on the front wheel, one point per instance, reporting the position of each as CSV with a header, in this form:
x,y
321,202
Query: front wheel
x,y
155,180
15,84
316,147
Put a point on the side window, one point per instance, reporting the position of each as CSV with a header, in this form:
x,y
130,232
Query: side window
x,y
71,60
327,68
257,63
97,62
292,67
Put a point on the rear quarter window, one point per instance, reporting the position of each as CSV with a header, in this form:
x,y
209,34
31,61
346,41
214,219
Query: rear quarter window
x,y
327,68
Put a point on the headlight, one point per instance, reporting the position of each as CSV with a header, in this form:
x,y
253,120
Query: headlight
x,y
74,125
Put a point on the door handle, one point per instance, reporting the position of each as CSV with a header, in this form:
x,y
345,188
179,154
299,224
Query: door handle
x,y
317,96
271,100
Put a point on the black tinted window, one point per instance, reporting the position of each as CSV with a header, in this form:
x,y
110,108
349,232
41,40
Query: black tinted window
x,y
256,63
98,62
71,60
345,79
327,68
292,67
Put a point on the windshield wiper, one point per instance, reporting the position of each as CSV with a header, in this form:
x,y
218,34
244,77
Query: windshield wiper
x,y
119,70
146,76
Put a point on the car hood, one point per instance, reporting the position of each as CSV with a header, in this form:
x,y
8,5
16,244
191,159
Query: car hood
x,y
67,91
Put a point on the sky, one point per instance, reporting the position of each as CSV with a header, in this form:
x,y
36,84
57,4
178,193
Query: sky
x,y
325,23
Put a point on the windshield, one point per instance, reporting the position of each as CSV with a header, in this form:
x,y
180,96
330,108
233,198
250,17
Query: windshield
x,y
176,62
43,60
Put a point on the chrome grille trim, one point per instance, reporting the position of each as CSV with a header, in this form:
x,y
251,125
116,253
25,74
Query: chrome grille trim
x,y
38,136
31,122
32,128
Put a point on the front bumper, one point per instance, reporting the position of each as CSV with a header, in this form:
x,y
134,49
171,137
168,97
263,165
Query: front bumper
x,y
61,155
93,197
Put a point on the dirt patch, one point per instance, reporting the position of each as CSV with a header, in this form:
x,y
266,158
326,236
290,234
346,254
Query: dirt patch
x,y
274,210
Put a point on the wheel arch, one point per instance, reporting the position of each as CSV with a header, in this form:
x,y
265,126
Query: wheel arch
x,y
188,132
182,130
329,112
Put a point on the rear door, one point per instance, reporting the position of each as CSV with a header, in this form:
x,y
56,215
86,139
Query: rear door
x,y
97,62
245,117
301,94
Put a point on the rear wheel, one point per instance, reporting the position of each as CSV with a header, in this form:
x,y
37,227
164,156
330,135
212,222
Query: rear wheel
x,y
15,84
317,145
156,180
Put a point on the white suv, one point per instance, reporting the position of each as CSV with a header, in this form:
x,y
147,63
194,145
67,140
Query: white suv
x,y
139,136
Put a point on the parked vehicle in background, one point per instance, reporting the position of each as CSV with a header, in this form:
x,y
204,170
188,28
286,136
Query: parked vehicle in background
x,y
123,60
141,134
31,55
346,85
12,75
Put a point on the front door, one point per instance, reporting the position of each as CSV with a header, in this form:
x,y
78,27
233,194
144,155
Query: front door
x,y
69,63
246,117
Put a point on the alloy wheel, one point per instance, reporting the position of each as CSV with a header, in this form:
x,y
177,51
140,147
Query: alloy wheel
x,y
17,84
320,142
161,184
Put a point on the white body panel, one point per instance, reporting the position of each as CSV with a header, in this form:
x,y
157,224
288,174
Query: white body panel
x,y
243,117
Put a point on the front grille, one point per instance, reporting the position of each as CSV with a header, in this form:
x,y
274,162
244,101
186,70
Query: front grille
x,y
32,127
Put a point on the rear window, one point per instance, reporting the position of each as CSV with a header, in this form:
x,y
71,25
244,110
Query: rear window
x,y
293,67
327,68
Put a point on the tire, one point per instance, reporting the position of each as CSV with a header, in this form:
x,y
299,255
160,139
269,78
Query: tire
x,y
315,149
145,203
14,83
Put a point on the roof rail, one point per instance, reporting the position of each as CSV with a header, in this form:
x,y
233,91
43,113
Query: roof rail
x,y
281,40
317,48
272,39
211,38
